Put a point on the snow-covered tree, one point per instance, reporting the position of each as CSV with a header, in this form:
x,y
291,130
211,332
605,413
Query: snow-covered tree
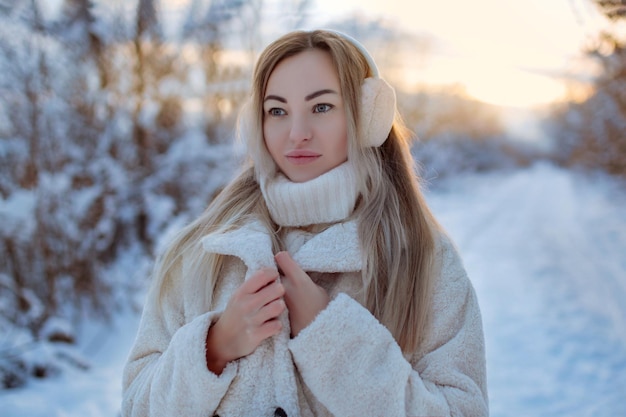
x,y
457,134
592,133
96,163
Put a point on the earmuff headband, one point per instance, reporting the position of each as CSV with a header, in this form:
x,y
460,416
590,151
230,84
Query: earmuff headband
x,y
361,48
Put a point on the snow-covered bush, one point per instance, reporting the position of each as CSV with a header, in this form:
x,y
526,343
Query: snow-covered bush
x,y
24,356
450,155
457,134
592,133
97,163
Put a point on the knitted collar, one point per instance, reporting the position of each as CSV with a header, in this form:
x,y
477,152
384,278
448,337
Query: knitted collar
x,y
328,198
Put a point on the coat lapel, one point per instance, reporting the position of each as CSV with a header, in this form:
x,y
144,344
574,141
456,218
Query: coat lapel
x,y
251,243
336,249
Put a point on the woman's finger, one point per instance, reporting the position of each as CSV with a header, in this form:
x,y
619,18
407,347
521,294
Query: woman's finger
x,y
268,329
270,311
259,279
268,294
289,267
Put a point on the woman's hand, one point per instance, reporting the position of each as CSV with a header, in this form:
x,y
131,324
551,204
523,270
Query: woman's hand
x,y
250,317
304,298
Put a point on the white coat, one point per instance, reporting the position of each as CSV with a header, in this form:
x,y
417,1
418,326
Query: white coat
x,y
345,363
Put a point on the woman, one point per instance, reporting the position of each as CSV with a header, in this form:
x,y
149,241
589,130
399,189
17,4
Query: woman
x,y
318,282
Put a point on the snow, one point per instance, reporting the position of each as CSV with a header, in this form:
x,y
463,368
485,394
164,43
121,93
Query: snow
x,y
17,211
545,250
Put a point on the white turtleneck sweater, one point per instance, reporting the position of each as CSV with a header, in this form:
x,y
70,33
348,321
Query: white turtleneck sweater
x,y
328,198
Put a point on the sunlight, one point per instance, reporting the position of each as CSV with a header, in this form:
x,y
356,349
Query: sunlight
x,y
513,87
490,82
504,52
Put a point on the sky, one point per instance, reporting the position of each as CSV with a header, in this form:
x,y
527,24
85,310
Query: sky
x,y
507,52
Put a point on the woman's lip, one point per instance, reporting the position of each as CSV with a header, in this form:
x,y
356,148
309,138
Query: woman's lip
x,y
301,156
301,153
302,160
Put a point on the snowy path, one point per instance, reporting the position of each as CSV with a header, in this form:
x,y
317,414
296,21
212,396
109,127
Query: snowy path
x,y
546,251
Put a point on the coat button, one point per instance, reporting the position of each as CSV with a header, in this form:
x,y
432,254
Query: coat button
x,y
279,412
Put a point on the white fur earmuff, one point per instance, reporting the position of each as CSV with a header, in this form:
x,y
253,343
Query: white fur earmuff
x,y
378,107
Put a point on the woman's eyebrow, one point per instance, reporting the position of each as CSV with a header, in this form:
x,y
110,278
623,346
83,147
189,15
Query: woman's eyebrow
x,y
307,98
319,93
273,97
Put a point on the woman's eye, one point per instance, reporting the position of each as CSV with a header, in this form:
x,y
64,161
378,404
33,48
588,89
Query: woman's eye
x,y
275,111
322,108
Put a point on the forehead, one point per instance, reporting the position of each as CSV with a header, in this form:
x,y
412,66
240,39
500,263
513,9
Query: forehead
x,y
303,73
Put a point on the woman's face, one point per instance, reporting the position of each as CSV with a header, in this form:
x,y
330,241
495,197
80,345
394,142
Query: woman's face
x,y
304,120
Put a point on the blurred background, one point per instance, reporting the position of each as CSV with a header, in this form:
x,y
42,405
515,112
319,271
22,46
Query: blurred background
x,y
116,129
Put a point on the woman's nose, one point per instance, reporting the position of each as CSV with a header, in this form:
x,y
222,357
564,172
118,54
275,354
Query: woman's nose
x,y
300,129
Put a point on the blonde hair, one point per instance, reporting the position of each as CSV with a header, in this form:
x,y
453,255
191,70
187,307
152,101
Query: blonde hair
x,y
396,228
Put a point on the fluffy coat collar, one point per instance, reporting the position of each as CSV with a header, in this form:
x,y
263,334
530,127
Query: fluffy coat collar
x,y
335,249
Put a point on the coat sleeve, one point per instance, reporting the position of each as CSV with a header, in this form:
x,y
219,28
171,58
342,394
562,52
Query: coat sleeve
x,y
353,365
166,372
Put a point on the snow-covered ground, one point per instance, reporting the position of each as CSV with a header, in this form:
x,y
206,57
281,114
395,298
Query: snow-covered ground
x,y
546,250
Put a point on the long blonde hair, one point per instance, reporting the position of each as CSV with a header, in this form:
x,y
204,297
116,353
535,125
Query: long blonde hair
x,y
396,228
